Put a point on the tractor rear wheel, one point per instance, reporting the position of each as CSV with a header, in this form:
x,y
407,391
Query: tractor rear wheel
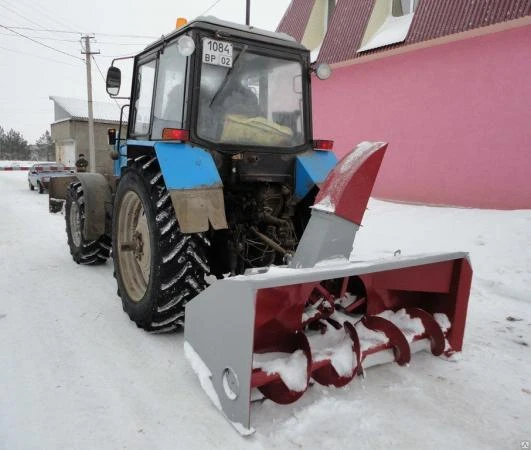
x,y
158,268
83,250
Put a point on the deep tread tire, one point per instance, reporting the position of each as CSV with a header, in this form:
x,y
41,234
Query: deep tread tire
x,y
83,251
178,265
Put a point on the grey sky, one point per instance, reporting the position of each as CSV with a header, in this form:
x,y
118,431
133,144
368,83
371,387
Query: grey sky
x,y
30,73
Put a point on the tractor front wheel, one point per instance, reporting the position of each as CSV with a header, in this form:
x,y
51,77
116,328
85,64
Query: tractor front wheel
x,y
158,268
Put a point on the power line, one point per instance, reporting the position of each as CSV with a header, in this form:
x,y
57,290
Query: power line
x,y
53,30
20,15
45,38
138,36
120,43
118,56
49,30
41,43
57,20
210,7
76,40
38,56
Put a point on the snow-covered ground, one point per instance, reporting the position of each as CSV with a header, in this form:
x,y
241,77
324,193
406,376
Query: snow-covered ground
x,y
75,373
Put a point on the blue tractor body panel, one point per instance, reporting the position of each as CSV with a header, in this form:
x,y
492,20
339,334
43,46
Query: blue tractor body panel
x,y
311,169
186,167
183,166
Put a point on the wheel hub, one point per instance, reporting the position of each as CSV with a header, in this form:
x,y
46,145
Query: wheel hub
x,y
139,246
134,248
75,224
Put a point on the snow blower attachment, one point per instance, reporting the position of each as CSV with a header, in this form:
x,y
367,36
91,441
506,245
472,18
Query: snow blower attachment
x,y
323,317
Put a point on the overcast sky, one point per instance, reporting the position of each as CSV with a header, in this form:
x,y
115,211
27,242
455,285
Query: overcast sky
x,y
30,73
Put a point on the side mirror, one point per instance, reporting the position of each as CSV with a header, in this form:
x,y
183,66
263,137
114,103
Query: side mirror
x,y
114,79
111,136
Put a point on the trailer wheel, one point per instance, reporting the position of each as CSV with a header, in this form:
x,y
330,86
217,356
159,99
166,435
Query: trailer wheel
x,y
83,251
158,268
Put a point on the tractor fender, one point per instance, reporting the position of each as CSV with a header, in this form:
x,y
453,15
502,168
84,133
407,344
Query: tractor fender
x,y
97,194
194,184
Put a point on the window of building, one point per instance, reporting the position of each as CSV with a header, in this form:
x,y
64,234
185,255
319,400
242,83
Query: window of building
x,y
389,23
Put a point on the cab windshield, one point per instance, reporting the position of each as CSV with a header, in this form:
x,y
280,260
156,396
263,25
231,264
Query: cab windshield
x,y
247,98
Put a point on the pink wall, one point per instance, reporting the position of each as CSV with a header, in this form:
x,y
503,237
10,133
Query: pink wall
x,y
457,118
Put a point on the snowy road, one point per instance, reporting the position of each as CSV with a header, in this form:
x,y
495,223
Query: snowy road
x,y
75,373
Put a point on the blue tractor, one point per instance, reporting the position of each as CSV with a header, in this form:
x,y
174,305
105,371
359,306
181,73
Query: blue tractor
x,y
219,175
216,173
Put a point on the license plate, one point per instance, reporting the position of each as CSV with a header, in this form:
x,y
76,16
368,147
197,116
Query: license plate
x,y
218,53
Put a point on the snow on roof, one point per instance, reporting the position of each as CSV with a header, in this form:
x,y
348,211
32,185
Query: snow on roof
x,y
74,108
393,31
432,19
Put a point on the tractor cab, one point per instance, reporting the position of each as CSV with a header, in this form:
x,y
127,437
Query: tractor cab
x,y
224,87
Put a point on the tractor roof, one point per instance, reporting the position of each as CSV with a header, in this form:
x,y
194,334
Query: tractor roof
x,y
211,23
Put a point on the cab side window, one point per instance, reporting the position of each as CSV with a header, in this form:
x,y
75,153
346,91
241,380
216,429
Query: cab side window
x,y
169,111
144,98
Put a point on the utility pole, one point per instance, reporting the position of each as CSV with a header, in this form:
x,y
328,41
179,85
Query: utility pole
x,y
92,147
247,12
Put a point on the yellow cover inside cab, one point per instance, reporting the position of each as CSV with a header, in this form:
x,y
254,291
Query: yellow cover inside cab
x,y
255,131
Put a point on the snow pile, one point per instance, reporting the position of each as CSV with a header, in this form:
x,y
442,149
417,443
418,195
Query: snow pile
x,y
368,338
309,313
443,321
393,30
411,327
291,367
336,346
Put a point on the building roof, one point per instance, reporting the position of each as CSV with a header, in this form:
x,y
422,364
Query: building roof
x,y
74,108
295,18
432,19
